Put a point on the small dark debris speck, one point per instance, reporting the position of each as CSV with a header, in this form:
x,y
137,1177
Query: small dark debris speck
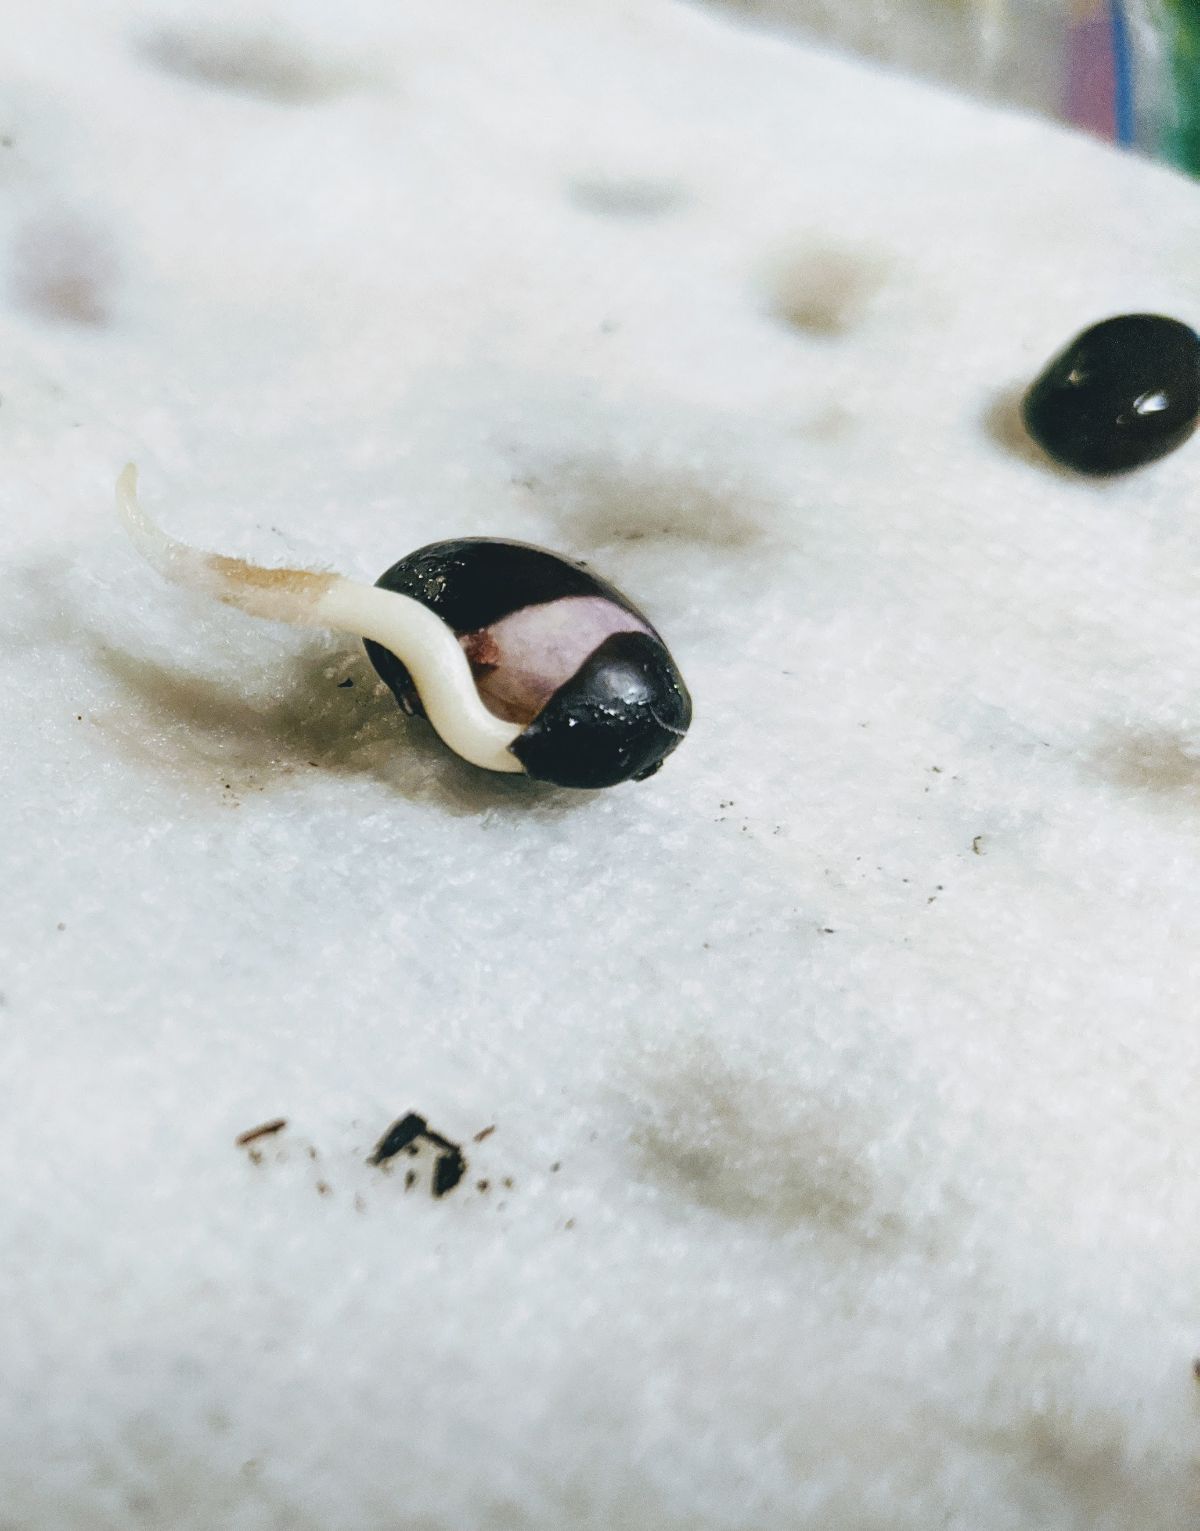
x,y
399,1136
483,1133
507,1182
342,684
312,1153
976,843
555,1167
570,1223
448,1171
410,1179
404,1135
483,1185
322,1188
1196,1368
276,1124
255,1156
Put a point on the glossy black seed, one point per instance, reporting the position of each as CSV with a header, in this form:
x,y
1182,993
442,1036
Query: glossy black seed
x,y
473,581
617,719
1124,392
607,710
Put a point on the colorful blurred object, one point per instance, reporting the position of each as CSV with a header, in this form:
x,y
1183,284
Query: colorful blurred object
x,y
1154,67
1126,70
1179,138
1098,77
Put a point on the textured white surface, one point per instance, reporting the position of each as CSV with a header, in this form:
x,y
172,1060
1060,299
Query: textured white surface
x,y
846,1072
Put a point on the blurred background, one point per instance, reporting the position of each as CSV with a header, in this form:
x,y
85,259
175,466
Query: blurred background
x,y
1127,70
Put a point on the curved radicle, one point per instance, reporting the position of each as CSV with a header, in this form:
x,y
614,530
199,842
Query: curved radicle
x,y
428,648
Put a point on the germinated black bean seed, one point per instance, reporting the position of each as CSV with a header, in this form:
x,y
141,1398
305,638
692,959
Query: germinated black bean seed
x,y
554,650
523,661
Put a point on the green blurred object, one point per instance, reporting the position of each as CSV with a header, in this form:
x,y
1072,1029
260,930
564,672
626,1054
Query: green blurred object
x,y
1181,127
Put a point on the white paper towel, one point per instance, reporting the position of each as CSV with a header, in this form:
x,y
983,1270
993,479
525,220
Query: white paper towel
x,y
845,1073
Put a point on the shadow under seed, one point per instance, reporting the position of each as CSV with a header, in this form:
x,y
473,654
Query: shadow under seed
x,y
212,738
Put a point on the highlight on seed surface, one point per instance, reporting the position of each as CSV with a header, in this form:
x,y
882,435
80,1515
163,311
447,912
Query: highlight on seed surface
x,y
521,660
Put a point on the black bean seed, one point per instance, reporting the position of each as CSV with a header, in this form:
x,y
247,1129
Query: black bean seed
x,y
1124,392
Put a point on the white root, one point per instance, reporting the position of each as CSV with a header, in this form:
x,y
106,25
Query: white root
x,y
418,637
